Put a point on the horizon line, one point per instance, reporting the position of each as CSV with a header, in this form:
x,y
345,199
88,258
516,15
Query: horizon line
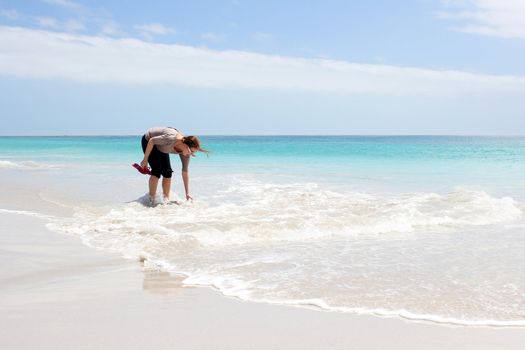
x,y
274,135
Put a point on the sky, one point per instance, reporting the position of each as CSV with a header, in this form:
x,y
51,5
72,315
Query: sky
x,y
237,67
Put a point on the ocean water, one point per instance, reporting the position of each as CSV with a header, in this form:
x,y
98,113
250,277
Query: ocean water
x,y
422,227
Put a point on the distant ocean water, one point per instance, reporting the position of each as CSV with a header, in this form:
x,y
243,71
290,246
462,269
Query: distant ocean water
x,y
422,227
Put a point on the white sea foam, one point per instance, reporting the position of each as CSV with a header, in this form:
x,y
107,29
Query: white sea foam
x,y
26,165
256,212
27,213
341,251
319,303
243,290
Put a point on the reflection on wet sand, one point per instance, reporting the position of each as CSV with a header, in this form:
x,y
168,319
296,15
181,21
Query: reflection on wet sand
x,y
161,283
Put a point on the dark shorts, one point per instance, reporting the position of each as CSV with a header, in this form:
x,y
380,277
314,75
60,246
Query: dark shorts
x,y
158,161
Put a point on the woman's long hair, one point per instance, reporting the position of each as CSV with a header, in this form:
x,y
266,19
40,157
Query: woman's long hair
x,y
194,142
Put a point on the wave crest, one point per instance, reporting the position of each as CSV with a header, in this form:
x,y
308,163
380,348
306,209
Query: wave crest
x,y
254,212
25,165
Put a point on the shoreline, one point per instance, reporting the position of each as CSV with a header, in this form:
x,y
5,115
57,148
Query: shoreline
x,y
314,304
57,288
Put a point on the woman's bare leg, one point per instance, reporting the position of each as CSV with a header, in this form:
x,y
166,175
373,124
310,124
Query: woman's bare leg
x,y
166,187
153,183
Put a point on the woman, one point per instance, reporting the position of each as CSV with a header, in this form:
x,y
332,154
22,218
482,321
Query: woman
x,y
157,144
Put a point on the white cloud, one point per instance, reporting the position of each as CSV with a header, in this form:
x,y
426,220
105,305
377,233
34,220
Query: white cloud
x,y
71,25
73,6
111,28
500,18
47,22
99,19
10,14
155,29
213,37
40,54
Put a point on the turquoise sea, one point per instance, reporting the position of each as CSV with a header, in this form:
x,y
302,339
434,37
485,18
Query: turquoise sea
x,y
422,227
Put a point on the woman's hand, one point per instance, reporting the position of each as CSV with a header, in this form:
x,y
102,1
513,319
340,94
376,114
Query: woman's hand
x,y
189,197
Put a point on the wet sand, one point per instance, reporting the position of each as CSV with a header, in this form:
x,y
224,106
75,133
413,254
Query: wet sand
x,y
56,293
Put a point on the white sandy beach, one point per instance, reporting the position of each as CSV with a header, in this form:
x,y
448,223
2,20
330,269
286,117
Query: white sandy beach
x,y
262,175
57,293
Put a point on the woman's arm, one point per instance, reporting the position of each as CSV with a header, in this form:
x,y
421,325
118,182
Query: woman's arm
x,y
185,175
147,152
186,180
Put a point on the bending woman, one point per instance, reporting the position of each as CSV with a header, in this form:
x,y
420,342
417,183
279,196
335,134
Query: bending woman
x,y
157,144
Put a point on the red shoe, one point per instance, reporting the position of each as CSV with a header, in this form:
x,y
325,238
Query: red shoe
x,y
145,171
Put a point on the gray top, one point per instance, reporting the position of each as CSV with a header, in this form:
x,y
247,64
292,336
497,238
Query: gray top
x,y
164,138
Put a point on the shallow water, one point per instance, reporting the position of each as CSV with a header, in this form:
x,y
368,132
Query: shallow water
x,y
428,228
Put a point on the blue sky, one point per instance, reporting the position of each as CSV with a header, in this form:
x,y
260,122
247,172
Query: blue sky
x,y
254,67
